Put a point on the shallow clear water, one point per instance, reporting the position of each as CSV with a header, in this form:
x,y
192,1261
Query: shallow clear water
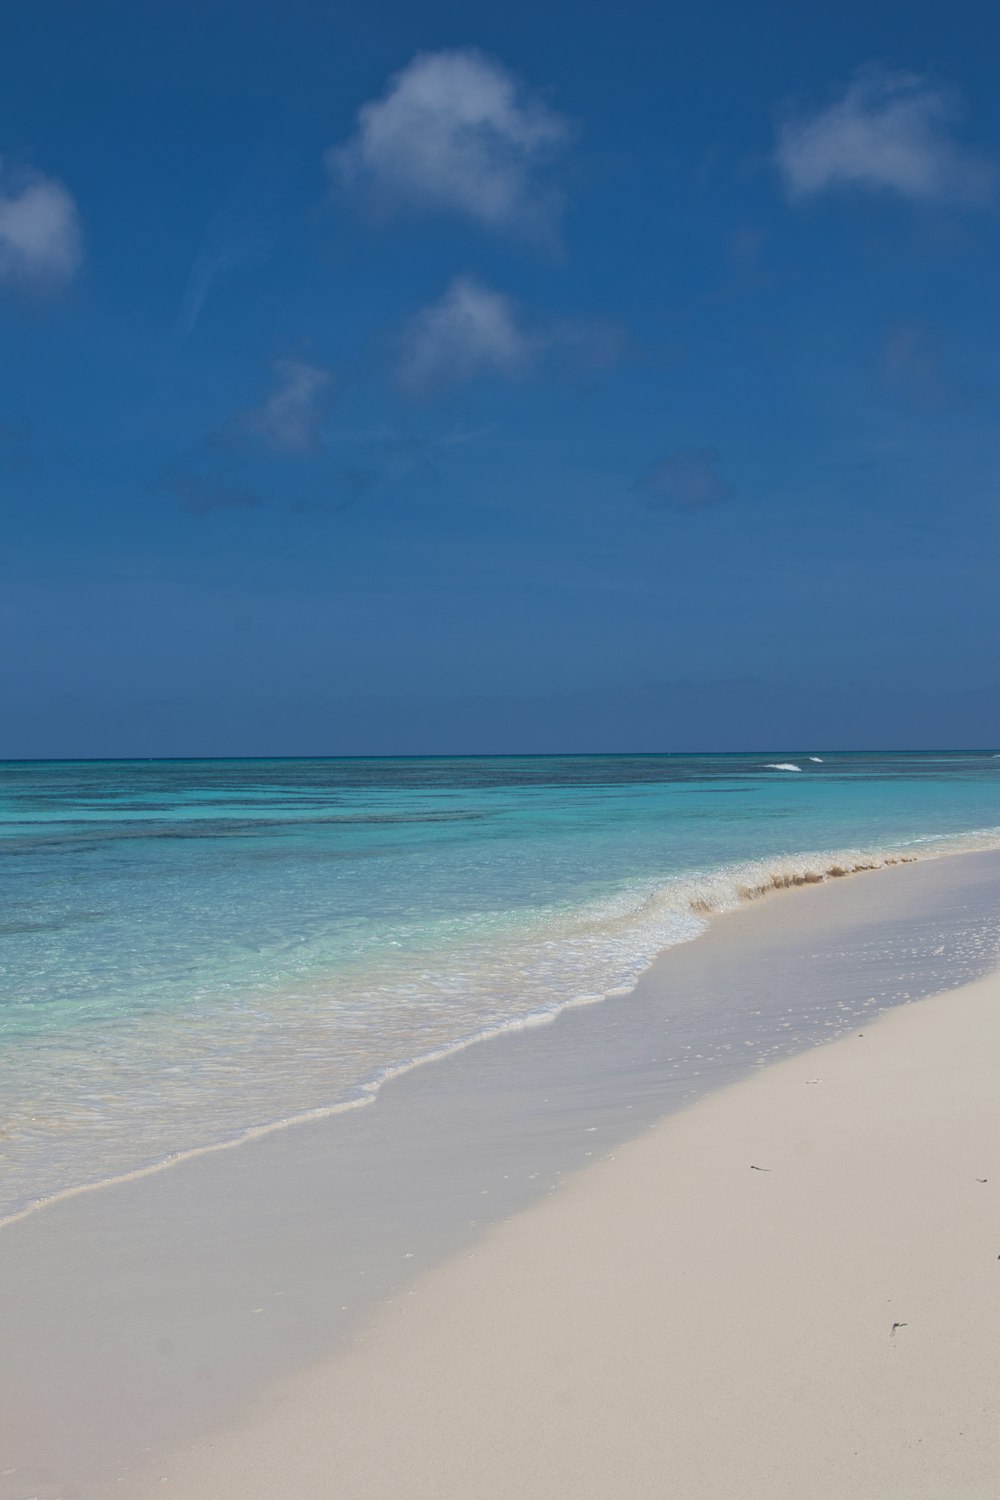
x,y
191,950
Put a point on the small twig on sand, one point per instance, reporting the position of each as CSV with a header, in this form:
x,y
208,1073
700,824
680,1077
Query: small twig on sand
x,y
892,1330
759,1169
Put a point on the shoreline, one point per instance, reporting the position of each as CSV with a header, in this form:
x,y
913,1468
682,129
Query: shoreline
x,y
792,872
685,1319
156,1313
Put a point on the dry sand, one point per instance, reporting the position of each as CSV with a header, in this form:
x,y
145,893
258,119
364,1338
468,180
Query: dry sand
x,y
673,1322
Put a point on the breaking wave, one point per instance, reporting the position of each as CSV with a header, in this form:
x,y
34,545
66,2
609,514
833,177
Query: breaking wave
x,y
212,1086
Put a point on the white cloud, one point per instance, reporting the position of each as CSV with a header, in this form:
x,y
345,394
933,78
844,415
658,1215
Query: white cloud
x,y
293,414
471,331
889,132
41,243
687,479
456,131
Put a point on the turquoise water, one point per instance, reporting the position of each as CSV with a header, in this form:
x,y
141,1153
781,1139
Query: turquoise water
x,y
190,951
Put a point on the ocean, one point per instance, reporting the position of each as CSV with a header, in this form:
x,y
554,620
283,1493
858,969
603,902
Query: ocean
x,y
192,952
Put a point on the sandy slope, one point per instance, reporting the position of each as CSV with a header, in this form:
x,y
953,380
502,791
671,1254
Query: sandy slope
x,y
676,1323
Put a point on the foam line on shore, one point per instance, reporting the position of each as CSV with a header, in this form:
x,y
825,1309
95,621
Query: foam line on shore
x,y
701,898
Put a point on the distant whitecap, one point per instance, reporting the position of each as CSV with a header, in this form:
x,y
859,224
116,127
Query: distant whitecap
x,y
817,758
781,765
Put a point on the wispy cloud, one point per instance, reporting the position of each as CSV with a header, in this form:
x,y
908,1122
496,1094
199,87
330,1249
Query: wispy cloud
x,y
471,331
41,241
686,479
911,365
456,131
292,416
889,132
202,494
589,346
249,223
384,458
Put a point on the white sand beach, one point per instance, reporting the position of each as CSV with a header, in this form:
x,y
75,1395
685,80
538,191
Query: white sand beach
x,y
790,1289
677,1244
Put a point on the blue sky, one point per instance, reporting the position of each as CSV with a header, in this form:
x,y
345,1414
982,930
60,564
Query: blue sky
x,y
498,378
